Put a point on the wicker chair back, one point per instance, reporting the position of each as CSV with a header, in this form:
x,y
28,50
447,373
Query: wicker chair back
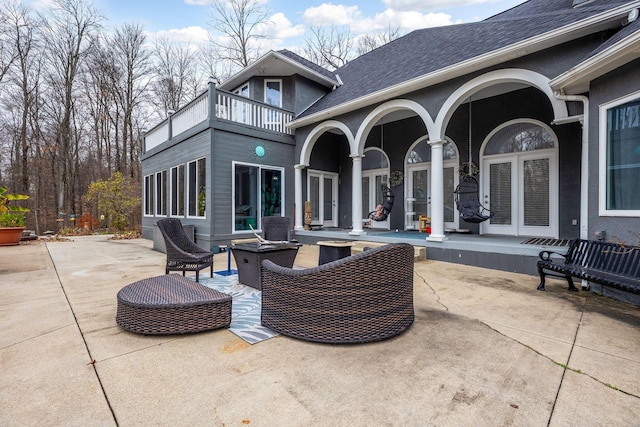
x,y
182,253
360,298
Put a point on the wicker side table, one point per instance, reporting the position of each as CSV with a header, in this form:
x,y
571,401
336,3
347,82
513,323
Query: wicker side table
x,y
171,304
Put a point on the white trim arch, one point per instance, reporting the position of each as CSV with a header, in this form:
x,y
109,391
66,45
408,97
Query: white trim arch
x,y
382,110
508,75
316,132
305,158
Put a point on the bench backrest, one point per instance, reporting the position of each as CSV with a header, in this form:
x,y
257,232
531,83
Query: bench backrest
x,y
608,257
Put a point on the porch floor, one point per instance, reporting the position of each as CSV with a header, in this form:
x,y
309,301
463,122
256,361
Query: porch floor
x,y
507,253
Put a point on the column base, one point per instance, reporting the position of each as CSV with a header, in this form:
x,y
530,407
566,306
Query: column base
x,y
437,238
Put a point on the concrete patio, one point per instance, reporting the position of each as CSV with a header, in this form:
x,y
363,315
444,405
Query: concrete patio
x,y
486,349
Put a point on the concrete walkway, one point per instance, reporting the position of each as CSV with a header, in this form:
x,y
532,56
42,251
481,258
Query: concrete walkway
x,y
486,349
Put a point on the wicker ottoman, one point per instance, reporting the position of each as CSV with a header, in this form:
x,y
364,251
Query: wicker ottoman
x,y
171,304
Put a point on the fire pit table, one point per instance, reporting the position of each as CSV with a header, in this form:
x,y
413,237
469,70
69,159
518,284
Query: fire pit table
x,y
249,257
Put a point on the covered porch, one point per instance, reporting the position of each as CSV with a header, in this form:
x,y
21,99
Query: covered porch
x,y
517,254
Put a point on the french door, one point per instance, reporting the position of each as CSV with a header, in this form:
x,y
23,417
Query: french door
x,y
322,191
372,196
419,188
521,190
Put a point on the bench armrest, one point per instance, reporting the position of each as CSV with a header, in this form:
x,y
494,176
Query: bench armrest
x,y
546,255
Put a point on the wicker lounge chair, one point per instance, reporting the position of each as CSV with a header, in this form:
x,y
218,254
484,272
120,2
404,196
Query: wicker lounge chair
x,y
361,298
182,253
171,304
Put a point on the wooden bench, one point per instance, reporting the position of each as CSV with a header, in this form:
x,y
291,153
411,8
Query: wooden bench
x,y
609,264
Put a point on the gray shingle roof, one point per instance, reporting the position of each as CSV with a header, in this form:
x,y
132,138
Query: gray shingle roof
x,y
553,7
633,27
431,49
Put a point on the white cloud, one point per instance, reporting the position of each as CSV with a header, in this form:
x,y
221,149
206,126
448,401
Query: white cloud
x,y
280,27
198,2
184,35
405,21
415,5
331,14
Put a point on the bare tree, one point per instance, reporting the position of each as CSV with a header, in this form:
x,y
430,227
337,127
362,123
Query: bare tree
x,y
133,61
238,24
71,30
369,42
329,47
174,72
100,104
8,53
24,78
211,66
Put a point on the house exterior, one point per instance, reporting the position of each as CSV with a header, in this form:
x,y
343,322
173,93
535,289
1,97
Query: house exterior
x,y
543,99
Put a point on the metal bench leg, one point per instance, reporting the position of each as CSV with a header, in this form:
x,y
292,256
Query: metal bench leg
x,y
541,285
571,285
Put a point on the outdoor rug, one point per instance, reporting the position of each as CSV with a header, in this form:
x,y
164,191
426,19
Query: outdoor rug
x,y
245,309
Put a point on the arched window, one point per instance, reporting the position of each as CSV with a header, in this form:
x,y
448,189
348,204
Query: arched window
x,y
374,158
519,137
421,152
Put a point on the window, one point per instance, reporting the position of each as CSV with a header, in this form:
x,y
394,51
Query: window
x,y
177,191
620,157
197,189
273,92
273,96
257,192
161,193
148,195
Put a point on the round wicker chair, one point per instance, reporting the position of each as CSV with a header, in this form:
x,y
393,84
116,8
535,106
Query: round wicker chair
x,y
361,298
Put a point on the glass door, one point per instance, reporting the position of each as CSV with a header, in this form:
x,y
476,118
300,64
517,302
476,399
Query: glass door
x,y
498,196
518,190
372,195
322,191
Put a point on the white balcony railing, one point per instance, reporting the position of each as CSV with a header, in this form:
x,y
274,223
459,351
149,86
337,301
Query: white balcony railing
x,y
228,107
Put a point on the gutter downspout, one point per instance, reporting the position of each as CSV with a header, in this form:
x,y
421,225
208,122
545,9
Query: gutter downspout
x,y
584,169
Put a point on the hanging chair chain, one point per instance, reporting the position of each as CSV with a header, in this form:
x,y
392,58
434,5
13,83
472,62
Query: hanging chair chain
x,y
469,168
470,136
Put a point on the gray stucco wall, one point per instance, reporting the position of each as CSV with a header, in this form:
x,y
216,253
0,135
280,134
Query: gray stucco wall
x,y
617,84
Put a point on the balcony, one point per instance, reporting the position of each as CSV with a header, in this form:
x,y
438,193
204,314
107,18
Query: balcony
x,y
228,107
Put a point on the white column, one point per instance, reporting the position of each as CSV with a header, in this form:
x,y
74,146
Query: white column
x,y
356,200
299,205
437,193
